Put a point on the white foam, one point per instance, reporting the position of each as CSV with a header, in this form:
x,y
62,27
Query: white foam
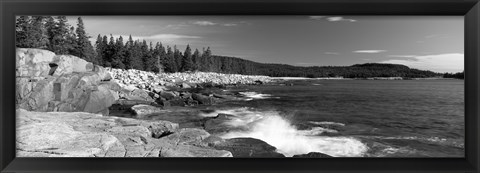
x,y
280,133
316,131
250,95
326,123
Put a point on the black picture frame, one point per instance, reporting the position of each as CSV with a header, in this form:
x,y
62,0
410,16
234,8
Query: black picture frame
x,y
470,9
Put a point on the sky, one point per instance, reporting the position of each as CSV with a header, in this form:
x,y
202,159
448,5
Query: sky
x,y
433,43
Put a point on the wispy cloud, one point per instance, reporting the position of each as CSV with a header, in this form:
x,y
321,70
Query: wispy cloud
x,y
210,23
402,56
331,53
204,23
369,51
332,18
230,24
451,62
340,19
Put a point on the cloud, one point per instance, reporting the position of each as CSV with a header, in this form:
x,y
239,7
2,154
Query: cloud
x,y
339,19
230,24
369,51
332,18
331,53
451,62
210,23
204,23
402,56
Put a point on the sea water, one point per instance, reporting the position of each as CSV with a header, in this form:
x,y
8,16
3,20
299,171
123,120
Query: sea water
x,y
352,118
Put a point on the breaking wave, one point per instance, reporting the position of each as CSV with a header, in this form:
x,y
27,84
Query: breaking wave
x,y
277,131
250,95
326,123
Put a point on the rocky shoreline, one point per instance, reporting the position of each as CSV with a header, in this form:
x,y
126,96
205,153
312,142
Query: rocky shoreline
x,y
64,109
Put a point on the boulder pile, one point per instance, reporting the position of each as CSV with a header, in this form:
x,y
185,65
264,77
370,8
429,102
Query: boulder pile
x,y
150,80
176,89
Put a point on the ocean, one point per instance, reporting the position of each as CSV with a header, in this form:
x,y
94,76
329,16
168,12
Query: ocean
x,y
351,118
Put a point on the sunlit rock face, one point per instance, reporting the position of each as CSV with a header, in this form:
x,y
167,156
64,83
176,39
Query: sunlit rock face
x,y
49,82
79,134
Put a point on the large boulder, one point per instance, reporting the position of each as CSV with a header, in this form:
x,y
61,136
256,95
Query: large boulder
x,y
35,95
100,100
33,62
168,95
247,147
188,136
202,99
143,110
313,155
49,82
66,64
193,151
138,94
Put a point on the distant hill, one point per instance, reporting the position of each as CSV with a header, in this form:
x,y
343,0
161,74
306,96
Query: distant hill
x,y
241,66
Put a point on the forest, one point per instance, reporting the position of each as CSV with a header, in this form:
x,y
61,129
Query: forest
x,y
55,34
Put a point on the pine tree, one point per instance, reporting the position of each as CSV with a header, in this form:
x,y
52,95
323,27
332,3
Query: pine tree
x,y
187,64
159,54
145,56
22,31
109,52
208,60
136,56
50,26
177,58
38,32
60,33
128,60
71,42
99,48
118,54
151,59
196,60
30,32
84,48
170,64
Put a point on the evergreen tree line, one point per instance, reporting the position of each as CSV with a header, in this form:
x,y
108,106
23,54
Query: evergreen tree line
x,y
460,75
140,55
55,34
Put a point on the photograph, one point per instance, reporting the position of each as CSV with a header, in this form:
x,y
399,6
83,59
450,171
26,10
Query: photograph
x,y
242,86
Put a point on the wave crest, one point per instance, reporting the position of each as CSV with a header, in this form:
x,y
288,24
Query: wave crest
x,y
277,131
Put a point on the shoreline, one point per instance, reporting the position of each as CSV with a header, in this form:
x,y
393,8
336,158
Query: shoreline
x,y
370,78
